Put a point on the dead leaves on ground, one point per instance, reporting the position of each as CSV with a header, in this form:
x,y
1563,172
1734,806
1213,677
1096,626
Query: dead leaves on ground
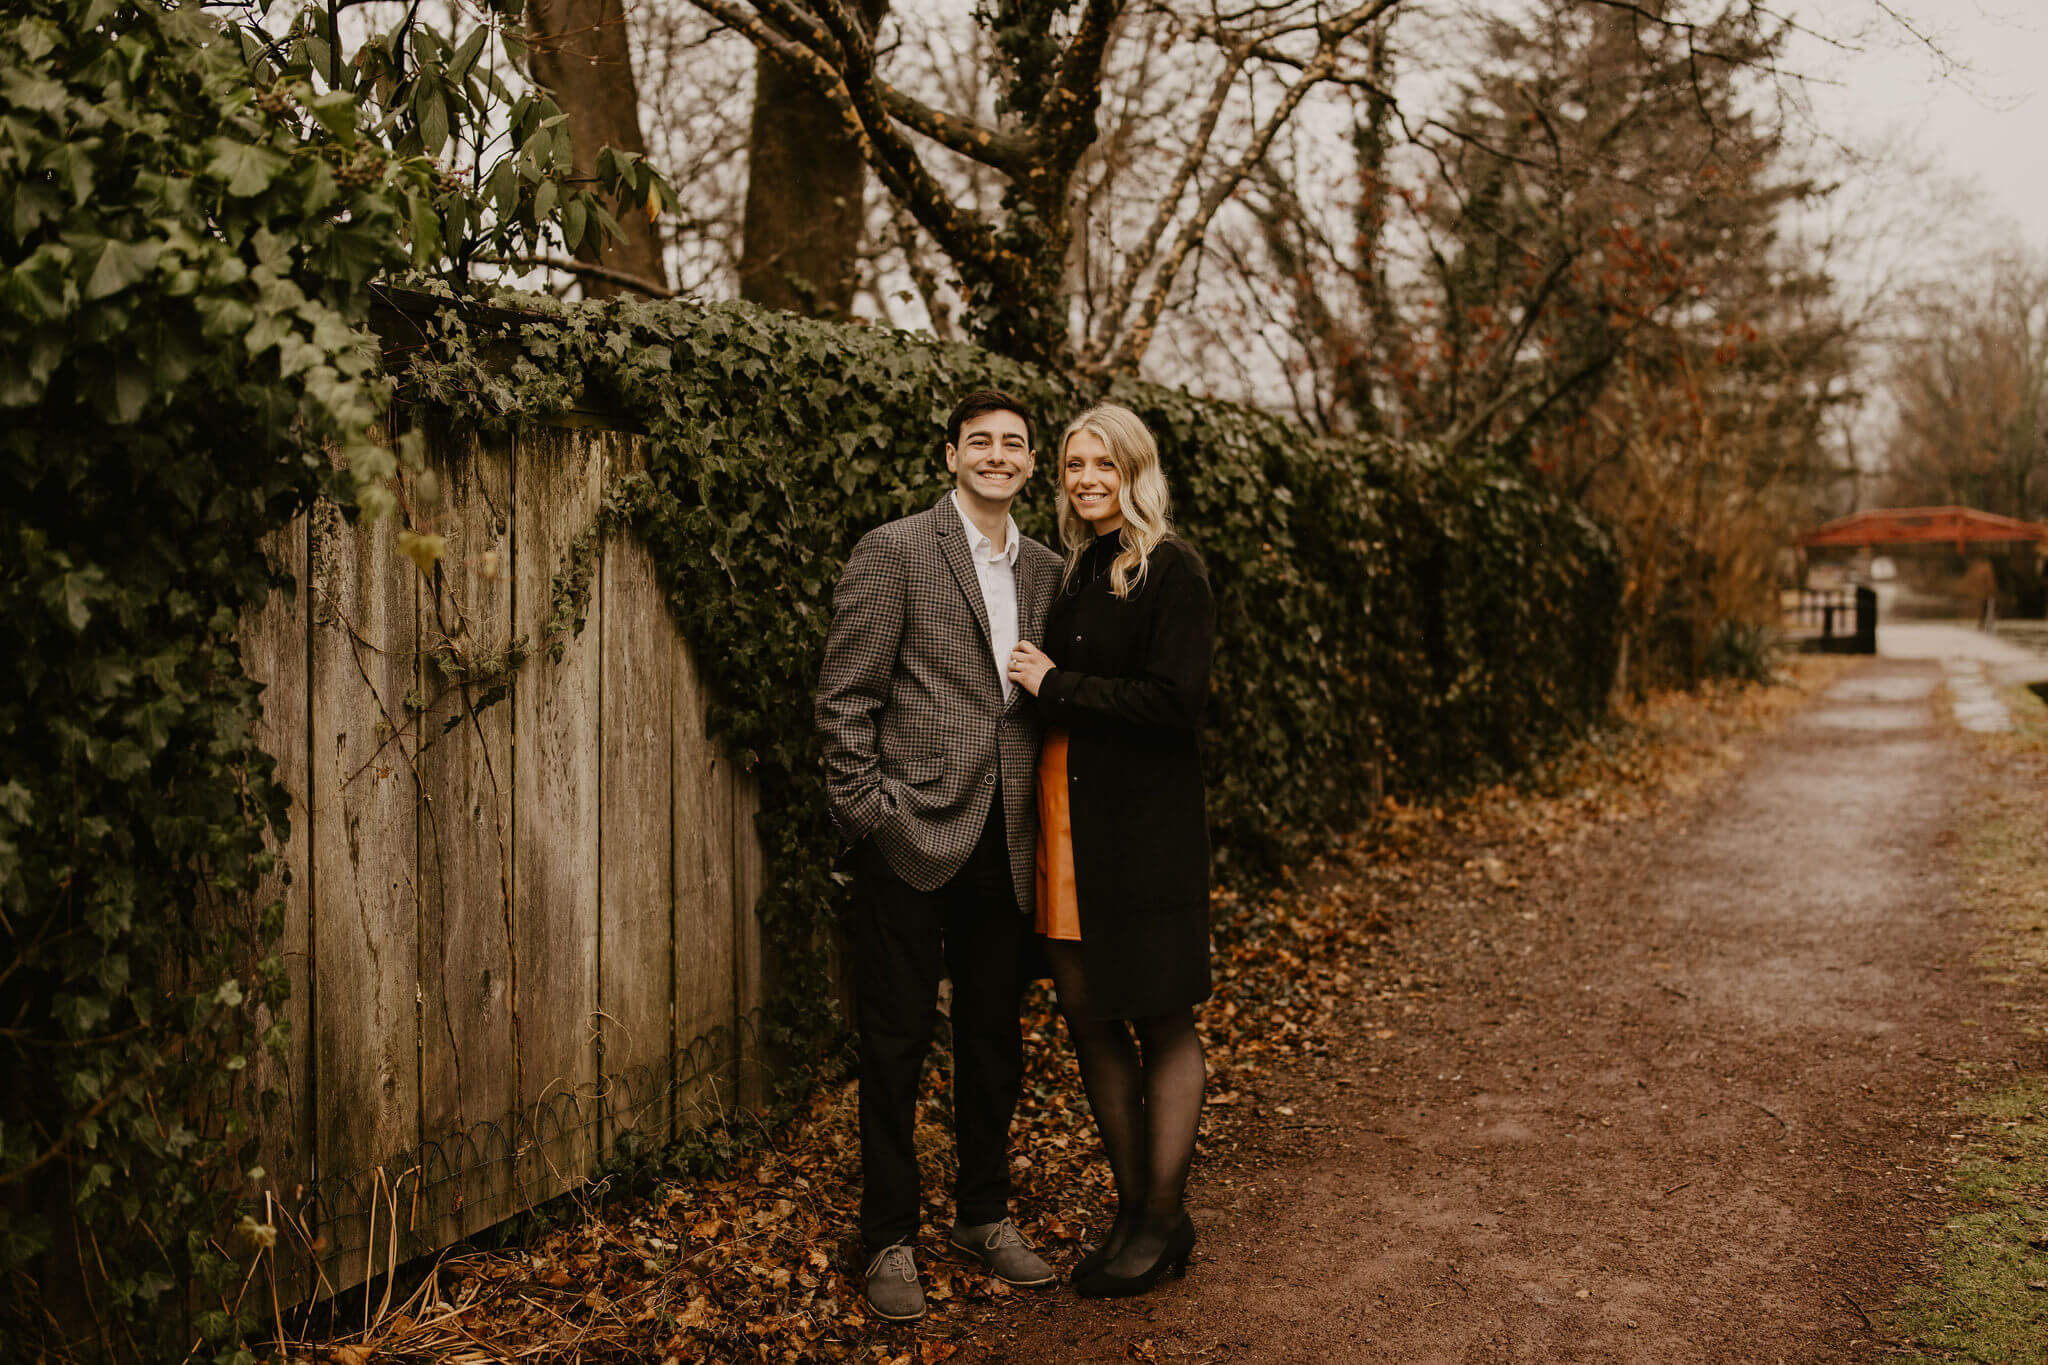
x,y
761,1265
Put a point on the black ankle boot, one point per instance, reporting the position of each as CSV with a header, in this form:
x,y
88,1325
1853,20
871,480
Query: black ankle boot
x,y
1098,1283
1111,1244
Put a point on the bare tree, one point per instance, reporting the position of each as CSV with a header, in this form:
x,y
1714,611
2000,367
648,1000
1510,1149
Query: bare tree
x,y
580,53
698,132
1261,61
805,184
1970,388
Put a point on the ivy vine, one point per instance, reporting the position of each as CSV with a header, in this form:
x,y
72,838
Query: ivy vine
x,y
1390,616
180,361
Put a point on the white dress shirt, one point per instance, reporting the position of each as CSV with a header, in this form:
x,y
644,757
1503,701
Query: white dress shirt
x,y
997,571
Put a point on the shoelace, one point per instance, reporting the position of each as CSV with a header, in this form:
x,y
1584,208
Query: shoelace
x,y
1005,1234
897,1258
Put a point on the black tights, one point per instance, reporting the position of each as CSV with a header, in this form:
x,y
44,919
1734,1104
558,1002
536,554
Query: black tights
x,y
1147,1098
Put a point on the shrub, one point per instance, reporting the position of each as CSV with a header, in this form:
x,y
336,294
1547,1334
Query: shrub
x,y
1384,609
177,363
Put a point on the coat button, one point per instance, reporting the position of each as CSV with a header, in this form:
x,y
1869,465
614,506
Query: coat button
x,y
989,781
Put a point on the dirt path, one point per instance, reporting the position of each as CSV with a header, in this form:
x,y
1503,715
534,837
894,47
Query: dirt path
x,y
1681,1097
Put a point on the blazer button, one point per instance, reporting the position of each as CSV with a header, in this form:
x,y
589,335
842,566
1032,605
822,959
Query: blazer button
x,y
989,781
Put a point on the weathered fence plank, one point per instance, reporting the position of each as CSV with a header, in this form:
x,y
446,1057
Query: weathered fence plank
x,y
703,919
467,1089
519,899
753,961
636,871
274,653
558,483
365,1073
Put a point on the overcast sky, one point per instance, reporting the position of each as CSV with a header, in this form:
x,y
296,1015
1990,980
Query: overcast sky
x,y
1982,120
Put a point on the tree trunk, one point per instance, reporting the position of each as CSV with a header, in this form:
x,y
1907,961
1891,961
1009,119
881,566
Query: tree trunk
x,y
582,56
1357,373
806,178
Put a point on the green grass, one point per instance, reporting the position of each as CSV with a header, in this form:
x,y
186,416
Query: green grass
x,y
1990,1302
1989,1299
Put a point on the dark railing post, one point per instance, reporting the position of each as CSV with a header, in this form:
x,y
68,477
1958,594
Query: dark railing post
x,y
1866,619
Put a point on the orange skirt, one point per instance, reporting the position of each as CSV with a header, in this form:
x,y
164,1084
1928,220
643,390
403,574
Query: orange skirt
x,y
1059,908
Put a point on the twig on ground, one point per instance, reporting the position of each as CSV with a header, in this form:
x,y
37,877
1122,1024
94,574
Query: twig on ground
x,y
1767,1110
1870,1326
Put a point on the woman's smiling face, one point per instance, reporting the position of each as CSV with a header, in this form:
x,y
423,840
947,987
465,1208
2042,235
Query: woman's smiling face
x,y
1089,479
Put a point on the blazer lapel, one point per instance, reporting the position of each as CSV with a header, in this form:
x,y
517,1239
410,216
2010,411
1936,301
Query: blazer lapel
x,y
953,547
1031,604
1031,599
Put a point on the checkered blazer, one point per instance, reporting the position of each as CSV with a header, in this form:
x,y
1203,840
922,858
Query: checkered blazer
x,y
910,706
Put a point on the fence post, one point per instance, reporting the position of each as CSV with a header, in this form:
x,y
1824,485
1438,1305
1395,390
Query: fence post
x,y
1866,619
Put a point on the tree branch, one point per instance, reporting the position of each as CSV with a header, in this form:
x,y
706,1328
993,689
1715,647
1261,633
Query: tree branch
x,y
1169,203
589,270
835,56
1330,37
1078,88
975,140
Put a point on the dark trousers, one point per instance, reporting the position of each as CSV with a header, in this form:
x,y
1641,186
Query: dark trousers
x,y
900,941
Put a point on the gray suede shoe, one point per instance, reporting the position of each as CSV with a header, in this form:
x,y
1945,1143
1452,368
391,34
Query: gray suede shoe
x,y
893,1293
1000,1249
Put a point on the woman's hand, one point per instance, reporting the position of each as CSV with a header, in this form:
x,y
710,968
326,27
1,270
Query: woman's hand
x,y
1028,666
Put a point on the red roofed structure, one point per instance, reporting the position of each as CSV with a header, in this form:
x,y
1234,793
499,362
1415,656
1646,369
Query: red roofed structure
x,y
1900,526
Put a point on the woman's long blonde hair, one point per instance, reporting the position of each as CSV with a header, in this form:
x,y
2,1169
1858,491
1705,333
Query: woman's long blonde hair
x,y
1141,494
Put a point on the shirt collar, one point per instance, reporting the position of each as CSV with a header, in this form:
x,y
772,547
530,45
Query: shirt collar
x,y
984,548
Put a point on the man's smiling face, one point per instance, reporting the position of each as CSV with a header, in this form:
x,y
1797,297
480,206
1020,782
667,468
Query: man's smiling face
x,y
993,458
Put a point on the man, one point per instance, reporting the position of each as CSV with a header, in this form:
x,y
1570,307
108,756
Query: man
x,y
930,761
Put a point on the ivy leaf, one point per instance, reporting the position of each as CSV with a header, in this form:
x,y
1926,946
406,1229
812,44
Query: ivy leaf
x,y
425,551
248,169
71,163
121,264
131,391
34,205
39,93
71,595
354,254
336,111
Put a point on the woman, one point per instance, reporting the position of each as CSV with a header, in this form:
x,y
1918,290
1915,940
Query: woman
x,y
1123,852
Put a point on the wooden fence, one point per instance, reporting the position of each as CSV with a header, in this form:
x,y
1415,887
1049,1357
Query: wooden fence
x,y
519,900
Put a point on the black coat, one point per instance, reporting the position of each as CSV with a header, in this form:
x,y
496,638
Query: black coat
x,y
1130,684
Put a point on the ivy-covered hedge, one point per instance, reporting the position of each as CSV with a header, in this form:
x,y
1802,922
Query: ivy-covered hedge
x,y
1388,613
177,361
181,279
